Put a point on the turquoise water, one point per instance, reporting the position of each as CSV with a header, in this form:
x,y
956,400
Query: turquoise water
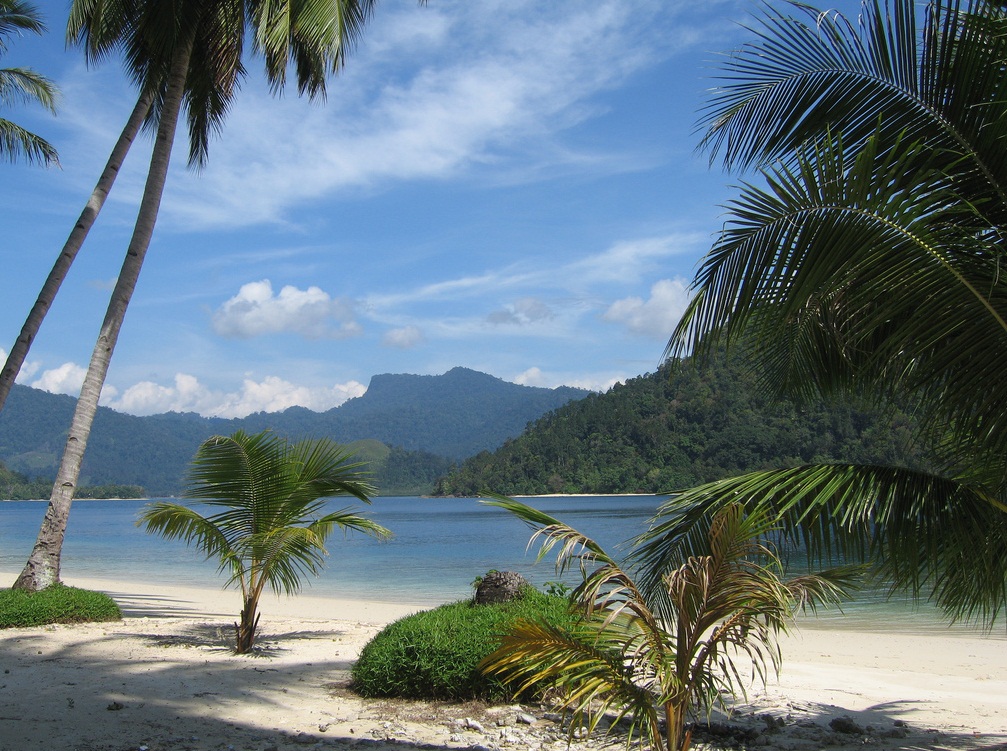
x,y
440,546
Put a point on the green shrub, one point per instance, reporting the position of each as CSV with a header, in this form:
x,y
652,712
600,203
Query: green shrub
x,y
434,654
56,604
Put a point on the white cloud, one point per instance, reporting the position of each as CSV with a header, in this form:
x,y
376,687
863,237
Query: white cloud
x,y
489,80
66,379
256,311
28,368
149,398
275,394
532,377
272,394
535,376
655,316
522,312
405,337
631,260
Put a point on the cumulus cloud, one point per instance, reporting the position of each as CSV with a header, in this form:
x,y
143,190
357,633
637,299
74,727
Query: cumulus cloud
x,y
28,368
271,394
535,376
655,316
406,337
522,312
66,379
274,394
312,313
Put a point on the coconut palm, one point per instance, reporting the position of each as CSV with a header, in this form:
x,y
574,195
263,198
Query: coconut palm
x,y
21,85
208,98
188,53
68,253
269,524
869,262
651,657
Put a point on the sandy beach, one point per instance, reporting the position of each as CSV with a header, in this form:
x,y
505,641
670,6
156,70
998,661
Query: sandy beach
x,y
164,678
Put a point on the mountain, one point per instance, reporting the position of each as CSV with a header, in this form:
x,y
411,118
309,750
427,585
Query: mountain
x,y
676,428
425,423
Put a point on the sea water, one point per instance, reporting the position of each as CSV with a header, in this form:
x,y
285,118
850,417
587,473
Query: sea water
x,y
440,545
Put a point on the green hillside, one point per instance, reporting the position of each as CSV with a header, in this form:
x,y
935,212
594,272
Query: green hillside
x,y
426,424
677,428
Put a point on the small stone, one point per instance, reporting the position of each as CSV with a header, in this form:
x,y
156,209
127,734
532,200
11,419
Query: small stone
x,y
115,706
471,724
526,719
845,725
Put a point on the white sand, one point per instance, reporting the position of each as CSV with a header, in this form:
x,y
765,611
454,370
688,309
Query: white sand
x,y
164,678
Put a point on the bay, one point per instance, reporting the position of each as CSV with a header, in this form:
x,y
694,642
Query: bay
x,y
440,546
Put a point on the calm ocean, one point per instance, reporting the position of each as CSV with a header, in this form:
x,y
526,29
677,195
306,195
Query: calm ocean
x,y
440,546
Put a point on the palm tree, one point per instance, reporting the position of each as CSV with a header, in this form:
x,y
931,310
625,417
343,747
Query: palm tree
x,y
189,53
75,240
270,529
19,85
869,262
650,657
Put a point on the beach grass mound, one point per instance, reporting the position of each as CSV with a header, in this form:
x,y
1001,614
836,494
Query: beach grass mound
x,y
55,604
434,654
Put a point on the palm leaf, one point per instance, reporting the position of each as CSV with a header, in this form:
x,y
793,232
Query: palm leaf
x,y
921,529
590,666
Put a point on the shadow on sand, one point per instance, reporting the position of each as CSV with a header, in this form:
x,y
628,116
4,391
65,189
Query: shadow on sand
x,y
141,685
803,726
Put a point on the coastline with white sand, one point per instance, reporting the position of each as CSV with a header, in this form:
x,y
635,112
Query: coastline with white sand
x,y
165,678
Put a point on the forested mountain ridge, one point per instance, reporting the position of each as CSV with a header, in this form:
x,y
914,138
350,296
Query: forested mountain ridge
x,y
424,422
676,428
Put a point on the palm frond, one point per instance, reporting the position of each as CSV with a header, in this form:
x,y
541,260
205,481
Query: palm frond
x,y
921,529
591,666
173,521
865,275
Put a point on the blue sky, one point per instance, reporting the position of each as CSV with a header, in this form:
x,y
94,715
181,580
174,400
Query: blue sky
x,y
505,185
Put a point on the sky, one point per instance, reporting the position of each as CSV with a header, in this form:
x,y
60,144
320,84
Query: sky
x,y
511,186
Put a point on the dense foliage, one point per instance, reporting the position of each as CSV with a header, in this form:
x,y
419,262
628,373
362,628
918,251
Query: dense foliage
x,y
649,657
56,604
867,257
15,486
434,654
675,428
428,422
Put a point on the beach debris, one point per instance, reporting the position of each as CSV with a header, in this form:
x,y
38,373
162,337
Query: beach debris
x,y
471,724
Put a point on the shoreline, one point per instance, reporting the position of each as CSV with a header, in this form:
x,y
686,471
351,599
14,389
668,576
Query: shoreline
x,y
164,678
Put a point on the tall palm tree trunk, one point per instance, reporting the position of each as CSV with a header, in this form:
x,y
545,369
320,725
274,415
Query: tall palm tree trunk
x,y
42,568
18,353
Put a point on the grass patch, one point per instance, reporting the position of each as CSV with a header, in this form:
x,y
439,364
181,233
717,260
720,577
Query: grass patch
x,y
55,604
434,654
